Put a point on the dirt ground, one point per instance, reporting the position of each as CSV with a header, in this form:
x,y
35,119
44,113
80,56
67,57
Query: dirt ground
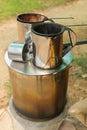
x,y
77,88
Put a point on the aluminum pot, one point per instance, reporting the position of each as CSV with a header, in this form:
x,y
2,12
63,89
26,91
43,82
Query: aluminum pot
x,y
24,22
48,44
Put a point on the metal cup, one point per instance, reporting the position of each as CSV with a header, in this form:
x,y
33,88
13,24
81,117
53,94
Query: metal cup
x,y
19,52
48,44
24,22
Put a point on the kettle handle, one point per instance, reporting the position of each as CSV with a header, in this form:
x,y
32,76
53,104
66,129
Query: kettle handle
x,y
72,38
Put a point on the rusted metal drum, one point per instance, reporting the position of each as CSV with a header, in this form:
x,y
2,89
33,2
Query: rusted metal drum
x,y
39,93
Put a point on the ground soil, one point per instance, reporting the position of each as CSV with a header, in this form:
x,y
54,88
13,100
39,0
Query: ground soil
x,y
77,88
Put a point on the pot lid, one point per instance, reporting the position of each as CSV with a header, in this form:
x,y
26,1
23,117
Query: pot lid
x,y
29,69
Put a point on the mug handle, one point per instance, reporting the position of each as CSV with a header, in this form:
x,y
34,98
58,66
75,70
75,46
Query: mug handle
x,y
49,19
73,40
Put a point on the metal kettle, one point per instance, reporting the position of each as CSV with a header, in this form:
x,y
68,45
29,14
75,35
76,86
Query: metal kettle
x,y
48,44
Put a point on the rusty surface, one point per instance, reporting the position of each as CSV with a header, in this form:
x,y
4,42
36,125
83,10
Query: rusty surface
x,y
39,96
31,18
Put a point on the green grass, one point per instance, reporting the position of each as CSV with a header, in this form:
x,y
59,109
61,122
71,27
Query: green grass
x,y
9,8
82,62
8,87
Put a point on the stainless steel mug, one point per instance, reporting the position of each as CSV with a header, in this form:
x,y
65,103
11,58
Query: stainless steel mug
x,y
24,22
20,52
48,44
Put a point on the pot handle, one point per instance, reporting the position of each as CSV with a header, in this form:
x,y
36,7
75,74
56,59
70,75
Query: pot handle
x,y
72,38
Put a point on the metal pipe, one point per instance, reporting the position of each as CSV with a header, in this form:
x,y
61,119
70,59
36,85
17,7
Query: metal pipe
x,y
70,18
77,25
63,18
80,42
